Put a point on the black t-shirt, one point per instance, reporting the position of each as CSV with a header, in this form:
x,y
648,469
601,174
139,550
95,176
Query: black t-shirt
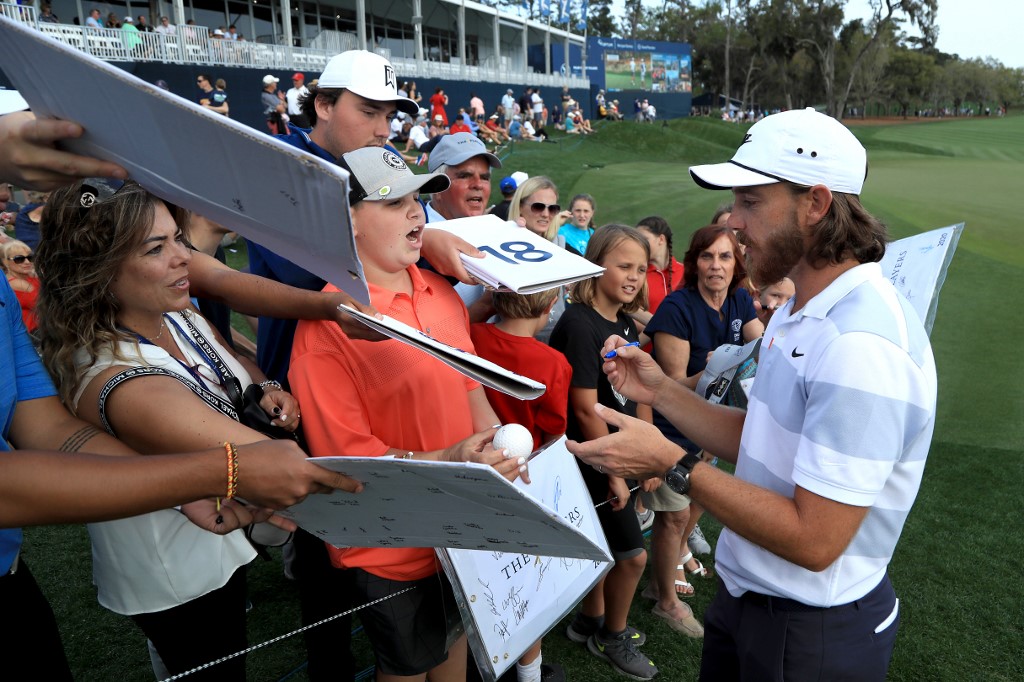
x,y
579,334
501,210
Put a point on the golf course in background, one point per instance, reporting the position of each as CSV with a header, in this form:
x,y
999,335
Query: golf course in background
x,y
958,566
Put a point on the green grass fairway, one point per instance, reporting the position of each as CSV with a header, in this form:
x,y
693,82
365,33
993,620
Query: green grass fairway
x,y
959,564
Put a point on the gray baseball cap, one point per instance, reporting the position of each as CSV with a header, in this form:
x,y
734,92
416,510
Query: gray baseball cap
x,y
378,174
458,148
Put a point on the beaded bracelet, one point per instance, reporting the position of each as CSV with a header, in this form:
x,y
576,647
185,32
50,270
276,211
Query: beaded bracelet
x,y
232,455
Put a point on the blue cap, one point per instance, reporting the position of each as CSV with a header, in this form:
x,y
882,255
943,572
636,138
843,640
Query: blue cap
x,y
508,185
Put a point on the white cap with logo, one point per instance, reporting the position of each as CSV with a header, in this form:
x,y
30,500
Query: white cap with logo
x,y
801,146
368,75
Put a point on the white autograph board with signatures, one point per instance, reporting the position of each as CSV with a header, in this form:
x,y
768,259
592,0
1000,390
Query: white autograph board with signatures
x,y
509,600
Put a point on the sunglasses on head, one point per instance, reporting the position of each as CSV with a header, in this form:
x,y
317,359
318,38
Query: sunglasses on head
x,y
538,207
20,259
97,190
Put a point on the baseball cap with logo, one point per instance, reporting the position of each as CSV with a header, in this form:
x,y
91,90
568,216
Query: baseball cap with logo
x,y
378,174
803,147
508,185
368,75
458,148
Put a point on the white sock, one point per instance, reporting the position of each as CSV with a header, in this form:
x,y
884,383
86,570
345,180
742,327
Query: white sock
x,y
529,672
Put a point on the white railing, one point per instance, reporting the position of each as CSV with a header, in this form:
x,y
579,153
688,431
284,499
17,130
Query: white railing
x,y
193,45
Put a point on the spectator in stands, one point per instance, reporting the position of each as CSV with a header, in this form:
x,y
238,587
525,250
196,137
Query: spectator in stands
x,y
476,105
16,264
142,24
577,231
494,124
232,33
26,224
438,126
438,101
93,20
274,109
507,186
293,99
537,104
112,21
529,132
508,102
460,123
515,129
46,14
165,27
467,163
7,205
214,100
413,95
526,104
130,36
418,137
613,111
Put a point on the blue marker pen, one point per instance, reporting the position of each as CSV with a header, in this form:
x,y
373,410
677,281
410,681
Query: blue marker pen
x,y
611,354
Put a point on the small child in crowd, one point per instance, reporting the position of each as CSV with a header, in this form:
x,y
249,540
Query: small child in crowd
x,y
510,343
601,307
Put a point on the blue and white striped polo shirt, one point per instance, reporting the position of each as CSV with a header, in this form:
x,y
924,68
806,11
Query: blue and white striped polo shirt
x,y
843,406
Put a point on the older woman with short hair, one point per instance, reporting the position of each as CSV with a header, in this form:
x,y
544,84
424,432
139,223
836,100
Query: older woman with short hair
x,y
708,310
130,355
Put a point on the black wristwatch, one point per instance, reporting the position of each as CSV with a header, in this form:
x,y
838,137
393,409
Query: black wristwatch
x,y
678,477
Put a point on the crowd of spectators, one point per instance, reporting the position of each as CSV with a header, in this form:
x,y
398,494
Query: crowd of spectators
x,y
132,326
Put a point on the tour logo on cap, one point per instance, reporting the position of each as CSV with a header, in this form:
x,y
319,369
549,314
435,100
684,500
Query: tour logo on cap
x,y
389,76
394,160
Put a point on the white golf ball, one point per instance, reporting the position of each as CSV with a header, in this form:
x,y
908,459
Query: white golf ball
x,y
515,438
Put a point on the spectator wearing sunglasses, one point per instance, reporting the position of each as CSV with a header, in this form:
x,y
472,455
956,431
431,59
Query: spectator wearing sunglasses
x,y
17,265
26,225
535,206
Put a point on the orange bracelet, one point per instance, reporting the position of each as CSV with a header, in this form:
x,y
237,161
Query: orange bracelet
x,y
232,453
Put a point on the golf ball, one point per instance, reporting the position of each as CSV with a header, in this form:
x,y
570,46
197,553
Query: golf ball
x,y
515,438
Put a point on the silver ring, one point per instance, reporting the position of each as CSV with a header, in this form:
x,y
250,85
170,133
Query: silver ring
x,y
600,469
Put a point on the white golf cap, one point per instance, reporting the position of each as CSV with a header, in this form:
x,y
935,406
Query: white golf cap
x,y
368,75
270,80
803,147
378,174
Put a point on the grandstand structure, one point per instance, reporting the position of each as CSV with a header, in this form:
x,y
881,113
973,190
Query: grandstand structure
x,y
453,41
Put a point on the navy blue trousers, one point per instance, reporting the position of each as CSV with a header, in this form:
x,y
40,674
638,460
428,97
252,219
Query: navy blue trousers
x,y
769,639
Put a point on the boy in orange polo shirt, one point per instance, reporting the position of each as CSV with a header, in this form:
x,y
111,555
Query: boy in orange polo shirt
x,y
386,398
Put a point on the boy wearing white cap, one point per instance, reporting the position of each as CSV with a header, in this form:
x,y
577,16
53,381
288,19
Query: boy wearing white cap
x,y
830,453
379,399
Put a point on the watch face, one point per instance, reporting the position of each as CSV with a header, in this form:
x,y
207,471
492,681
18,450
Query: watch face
x,y
678,480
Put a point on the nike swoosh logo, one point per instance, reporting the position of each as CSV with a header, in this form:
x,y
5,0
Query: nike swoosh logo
x,y
797,355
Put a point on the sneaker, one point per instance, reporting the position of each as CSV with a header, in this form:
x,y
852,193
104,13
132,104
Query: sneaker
x,y
697,543
623,655
582,627
646,518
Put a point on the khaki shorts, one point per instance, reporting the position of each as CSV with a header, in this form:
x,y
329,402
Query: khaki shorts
x,y
664,499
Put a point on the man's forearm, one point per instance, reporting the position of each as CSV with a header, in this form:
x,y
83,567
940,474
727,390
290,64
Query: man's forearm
x,y
252,295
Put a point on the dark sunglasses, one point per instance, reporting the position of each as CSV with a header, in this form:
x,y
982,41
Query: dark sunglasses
x,y
21,259
97,190
538,207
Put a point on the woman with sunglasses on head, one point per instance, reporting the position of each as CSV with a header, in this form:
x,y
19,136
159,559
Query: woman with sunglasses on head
x,y
130,355
535,207
16,261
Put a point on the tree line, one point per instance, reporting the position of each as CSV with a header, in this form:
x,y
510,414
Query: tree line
x,y
785,54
